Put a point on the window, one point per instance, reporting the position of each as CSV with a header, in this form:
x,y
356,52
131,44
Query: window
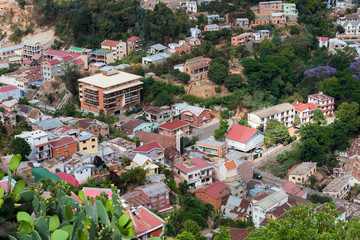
x,y
161,196
85,148
162,205
93,146
93,140
153,199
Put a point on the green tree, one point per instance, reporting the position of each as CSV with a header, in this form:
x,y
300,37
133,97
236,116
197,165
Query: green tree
x,y
20,146
222,130
137,142
250,14
331,86
286,50
318,115
100,138
340,29
217,73
135,176
312,180
267,45
233,81
185,236
297,120
183,77
192,227
223,234
163,98
303,222
277,132
23,101
349,114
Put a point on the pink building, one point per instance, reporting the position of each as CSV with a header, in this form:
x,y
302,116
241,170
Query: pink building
x,y
173,127
324,102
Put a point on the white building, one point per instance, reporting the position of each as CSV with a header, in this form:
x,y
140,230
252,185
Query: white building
x,y
284,113
189,6
225,170
323,41
195,33
243,138
336,44
260,208
196,172
339,187
9,92
39,143
11,81
305,111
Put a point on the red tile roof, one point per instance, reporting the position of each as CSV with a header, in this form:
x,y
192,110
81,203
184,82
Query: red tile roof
x,y
9,129
67,57
323,38
148,147
230,165
173,125
64,129
54,61
68,178
144,220
78,62
240,133
291,188
133,39
7,89
147,137
110,43
27,61
238,233
93,192
195,164
62,141
302,106
36,56
214,189
61,53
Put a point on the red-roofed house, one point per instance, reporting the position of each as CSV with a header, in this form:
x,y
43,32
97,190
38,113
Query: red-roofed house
x,y
54,67
152,150
323,41
63,147
146,223
68,178
133,43
51,54
225,170
216,194
305,111
291,188
244,138
196,172
119,46
173,127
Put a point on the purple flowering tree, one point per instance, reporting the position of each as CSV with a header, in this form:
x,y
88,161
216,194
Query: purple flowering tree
x,y
355,67
320,72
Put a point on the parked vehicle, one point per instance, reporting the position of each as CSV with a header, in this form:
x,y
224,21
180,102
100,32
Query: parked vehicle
x,y
138,109
138,117
257,176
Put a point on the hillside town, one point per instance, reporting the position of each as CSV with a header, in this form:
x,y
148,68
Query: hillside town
x,y
193,120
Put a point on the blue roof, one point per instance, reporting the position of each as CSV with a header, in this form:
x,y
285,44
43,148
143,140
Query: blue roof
x,y
106,68
255,191
11,48
38,83
49,124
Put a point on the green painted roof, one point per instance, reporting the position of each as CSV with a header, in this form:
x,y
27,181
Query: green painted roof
x,y
40,173
30,42
79,49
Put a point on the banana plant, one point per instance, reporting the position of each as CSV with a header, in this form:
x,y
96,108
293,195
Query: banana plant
x,y
14,200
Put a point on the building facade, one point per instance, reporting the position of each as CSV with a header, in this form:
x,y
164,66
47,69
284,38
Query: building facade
x,y
196,172
302,173
113,92
197,68
323,102
212,147
241,39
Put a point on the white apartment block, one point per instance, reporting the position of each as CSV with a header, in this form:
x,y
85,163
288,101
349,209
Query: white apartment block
x,y
284,113
39,143
196,172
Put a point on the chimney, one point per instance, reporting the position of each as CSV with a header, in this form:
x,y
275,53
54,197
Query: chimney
x,y
180,142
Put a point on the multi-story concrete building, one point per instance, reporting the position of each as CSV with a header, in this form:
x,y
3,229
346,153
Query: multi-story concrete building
x,y
196,172
101,55
55,67
119,46
302,173
244,138
215,194
212,147
113,91
133,43
211,28
196,116
8,52
39,144
30,48
278,19
267,8
284,113
157,115
197,68
87,142
64,146
173,127
305,111
243,23
323,102
290,11
179,47
9,92
339,187
260,208
241,39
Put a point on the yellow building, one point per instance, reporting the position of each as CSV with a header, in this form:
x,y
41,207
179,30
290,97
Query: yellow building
x,y
146,163
87,142
301,174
